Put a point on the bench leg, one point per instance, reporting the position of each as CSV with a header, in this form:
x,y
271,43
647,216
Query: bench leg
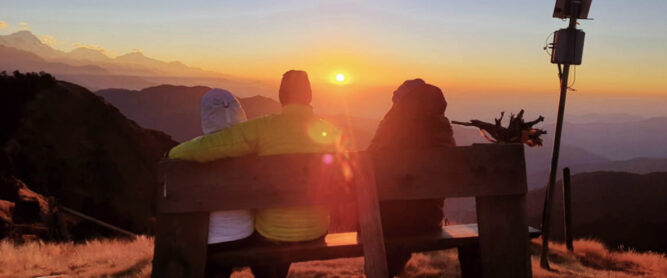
x,y
370,224
271,271
396,261
503,236
213,271
180,245
471,264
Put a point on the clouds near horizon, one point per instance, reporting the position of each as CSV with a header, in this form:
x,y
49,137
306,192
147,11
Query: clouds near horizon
x,y
3,25
48,40
24,26
97,48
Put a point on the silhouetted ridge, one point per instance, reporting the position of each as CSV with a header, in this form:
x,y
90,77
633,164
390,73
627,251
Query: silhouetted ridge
x,y
620,209
69,143
18,89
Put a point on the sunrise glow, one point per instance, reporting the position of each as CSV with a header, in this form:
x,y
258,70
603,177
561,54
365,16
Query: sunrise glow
x,y
340,77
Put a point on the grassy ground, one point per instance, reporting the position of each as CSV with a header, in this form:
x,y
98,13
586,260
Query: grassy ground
x,y
125,258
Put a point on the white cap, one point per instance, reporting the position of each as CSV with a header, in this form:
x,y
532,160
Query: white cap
x,y
220,110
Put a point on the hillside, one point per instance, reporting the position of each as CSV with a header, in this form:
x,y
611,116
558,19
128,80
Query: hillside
x,y
64,141
620,209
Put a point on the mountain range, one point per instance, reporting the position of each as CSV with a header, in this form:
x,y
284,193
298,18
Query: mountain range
x,y
93,69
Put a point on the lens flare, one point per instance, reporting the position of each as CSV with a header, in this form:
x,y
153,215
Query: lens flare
x,y
328,158
323,132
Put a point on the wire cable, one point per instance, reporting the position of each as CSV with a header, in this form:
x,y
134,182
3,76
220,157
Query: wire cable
x,y
574,79
547,45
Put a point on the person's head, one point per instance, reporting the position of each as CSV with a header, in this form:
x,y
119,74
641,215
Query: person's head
x,y
421,100
220,110
405,88
295,88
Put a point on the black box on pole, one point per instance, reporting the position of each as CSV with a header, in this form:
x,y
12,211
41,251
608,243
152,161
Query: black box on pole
x,y
568,46
563,9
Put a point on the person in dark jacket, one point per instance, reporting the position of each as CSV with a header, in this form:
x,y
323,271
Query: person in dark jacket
x,y
416,120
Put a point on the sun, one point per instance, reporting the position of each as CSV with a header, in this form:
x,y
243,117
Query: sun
x,y
340,77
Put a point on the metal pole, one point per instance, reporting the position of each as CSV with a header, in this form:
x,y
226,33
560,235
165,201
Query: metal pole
x,y
567,208
546,213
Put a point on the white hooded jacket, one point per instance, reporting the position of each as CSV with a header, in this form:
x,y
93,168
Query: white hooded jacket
x,y
220,110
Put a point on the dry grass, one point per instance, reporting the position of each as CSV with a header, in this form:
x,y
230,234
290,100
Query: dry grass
x,y
125,258
592,259
97,258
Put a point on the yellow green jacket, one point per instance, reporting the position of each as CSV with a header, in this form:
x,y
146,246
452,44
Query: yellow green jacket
x,y
294,130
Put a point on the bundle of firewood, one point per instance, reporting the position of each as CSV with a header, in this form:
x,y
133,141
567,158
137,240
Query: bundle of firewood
x,y
518,131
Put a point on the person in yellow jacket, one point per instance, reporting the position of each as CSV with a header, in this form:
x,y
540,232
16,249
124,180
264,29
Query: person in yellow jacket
x,y
295,130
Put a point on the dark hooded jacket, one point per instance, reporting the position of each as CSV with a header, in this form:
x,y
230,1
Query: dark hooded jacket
x,y
415,121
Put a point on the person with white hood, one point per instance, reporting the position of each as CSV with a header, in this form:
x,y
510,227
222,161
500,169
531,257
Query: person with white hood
x,y
296,129
220,110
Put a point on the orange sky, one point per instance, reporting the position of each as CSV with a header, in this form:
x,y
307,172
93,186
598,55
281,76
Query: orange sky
x,y
480,48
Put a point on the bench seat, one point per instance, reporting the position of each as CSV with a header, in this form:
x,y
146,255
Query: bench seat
x,y
343,245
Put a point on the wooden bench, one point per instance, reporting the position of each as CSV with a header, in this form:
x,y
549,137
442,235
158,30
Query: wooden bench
x,y
493,174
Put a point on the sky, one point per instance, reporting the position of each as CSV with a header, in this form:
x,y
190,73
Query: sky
x,y
477,47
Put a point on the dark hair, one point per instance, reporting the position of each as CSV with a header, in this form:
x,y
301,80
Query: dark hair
x,y
295,88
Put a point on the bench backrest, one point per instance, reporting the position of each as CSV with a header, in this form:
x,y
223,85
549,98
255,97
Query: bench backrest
x,y
191,190
307,179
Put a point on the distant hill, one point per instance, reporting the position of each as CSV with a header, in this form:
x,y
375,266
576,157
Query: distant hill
x,y
603,118
617,208
641,165
62,140
619,140
538,159
26,41
176,109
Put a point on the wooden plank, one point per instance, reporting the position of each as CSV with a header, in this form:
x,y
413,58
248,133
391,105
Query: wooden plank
x,y
345,245
304,179
180,245
503,237
370,225
478,170
252,182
